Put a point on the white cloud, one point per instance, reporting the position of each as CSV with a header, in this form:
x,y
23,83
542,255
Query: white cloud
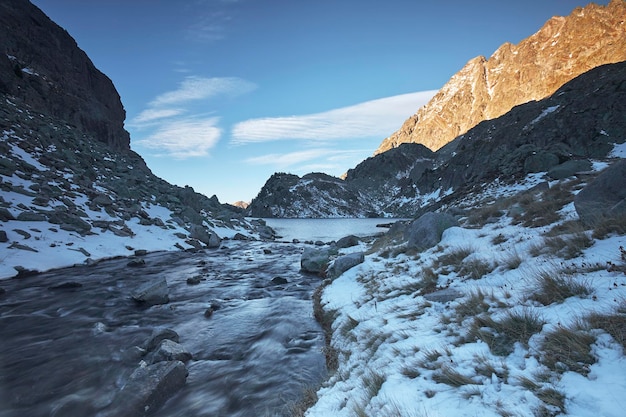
x,y
200,88
288,159
153,115
185,138
369,119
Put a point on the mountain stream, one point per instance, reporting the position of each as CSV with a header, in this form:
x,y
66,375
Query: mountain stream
x,y
67,351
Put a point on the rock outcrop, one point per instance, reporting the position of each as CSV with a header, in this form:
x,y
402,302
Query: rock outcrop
x,y
605,197
66,170
484,89
42,66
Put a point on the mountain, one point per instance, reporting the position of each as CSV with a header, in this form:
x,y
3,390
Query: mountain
x,y
559,135
42,66
71,190
484,89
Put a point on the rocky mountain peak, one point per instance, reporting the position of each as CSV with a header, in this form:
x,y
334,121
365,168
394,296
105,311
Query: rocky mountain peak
x,y
42,66
484,89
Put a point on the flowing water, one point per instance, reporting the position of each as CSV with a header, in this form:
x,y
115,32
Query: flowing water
x,y
67,352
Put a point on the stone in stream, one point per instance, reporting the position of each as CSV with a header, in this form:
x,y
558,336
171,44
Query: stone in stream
x,y
160,335
147,389
152,293
316,260
169,350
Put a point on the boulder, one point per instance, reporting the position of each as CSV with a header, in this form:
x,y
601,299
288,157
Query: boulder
x,y
5,215
204,235
540,162
316,260
266,233
426,231
160,335
279,281
147,389
443,296
3,236
152,293
569,168
605,196
31,216
168,350
345,262
347,242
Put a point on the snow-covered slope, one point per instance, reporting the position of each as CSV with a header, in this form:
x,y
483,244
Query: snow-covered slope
x,y
67,199
520,311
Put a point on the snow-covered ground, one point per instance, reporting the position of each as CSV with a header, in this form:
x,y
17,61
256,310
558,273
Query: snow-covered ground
x,y
58,248
403,353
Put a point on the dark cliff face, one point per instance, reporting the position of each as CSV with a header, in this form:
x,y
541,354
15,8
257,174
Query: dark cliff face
x,y
41,64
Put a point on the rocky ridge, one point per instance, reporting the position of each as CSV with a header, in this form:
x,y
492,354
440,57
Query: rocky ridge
x,y
559,135
484,89
43,67
72,191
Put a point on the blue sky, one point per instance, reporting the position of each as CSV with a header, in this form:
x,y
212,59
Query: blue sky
x,y
220,94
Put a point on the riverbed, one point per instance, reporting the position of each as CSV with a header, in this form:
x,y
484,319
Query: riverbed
x,y
69,350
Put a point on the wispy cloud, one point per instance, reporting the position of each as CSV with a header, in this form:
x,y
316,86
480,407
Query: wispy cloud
x,y
369,119
201,88
317,159
152,115
288,159
190,136
184,138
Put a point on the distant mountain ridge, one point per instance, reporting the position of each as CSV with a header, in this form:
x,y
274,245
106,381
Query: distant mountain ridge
x,y
484,89
561,135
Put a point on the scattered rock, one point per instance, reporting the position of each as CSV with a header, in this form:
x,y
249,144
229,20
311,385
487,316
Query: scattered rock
x,y
569,168
148,387
141,252
31,216
316,260
195,280
443,296
605,196
24,272
136,263
168,350
152,293
426,231
279,281
5,215
70,285
347,242
23,233
16,245
204,235
208,312
160,335
345,262
267,251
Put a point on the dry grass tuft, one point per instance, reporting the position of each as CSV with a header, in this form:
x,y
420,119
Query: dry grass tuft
x,y
566,349
613,324
501,336
610,225
446,375
474,305
555,287
475,268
